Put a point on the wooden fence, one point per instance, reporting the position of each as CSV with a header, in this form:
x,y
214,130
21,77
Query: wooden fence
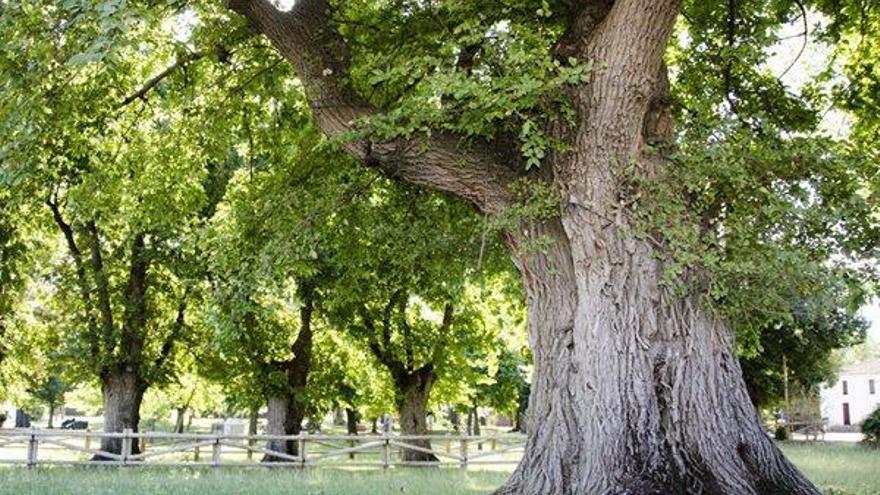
x,y
36,447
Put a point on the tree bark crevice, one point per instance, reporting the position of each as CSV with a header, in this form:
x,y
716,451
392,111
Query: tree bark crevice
x,y
123,392
413,389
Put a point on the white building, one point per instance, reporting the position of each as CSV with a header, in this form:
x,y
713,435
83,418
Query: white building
x,y
854,396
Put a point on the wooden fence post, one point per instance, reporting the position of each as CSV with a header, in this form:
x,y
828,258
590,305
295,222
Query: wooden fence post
x,y
215,451
32,449
126,445
88,439
464,453
302,447
143,445
196,454
386,451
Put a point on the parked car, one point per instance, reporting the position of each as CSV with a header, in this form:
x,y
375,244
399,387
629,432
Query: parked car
x,y
73,424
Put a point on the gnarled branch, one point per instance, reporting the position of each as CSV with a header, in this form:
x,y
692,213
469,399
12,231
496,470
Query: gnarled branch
x,y
472,170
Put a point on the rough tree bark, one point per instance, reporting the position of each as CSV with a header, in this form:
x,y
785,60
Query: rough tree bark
x,y
412,391
283,417
287,410
636,389
122,391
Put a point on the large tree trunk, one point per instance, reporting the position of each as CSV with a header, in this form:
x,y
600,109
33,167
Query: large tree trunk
x,y
413,390
123,393
637,388
642,394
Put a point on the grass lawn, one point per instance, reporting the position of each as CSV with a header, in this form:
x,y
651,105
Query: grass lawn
x,y
837,469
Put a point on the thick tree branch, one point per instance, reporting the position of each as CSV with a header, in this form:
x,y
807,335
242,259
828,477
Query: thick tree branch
x,y
135,316
305,35
407,336
623,94
168,344
628,46
381,353
81,275
377,349
102,286
443,337
386,315
298,369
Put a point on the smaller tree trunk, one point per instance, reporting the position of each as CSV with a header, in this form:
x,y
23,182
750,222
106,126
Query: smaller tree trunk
x,y
374,427
413,390
284,417
123,393
51,415
338,416
287,410
181,414
253,416
476,427
521,413
351,421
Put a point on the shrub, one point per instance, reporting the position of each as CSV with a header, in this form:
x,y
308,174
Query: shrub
x,y
781,433
871,428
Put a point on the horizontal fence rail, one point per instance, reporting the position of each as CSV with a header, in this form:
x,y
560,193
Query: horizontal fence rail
x,y
39,447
